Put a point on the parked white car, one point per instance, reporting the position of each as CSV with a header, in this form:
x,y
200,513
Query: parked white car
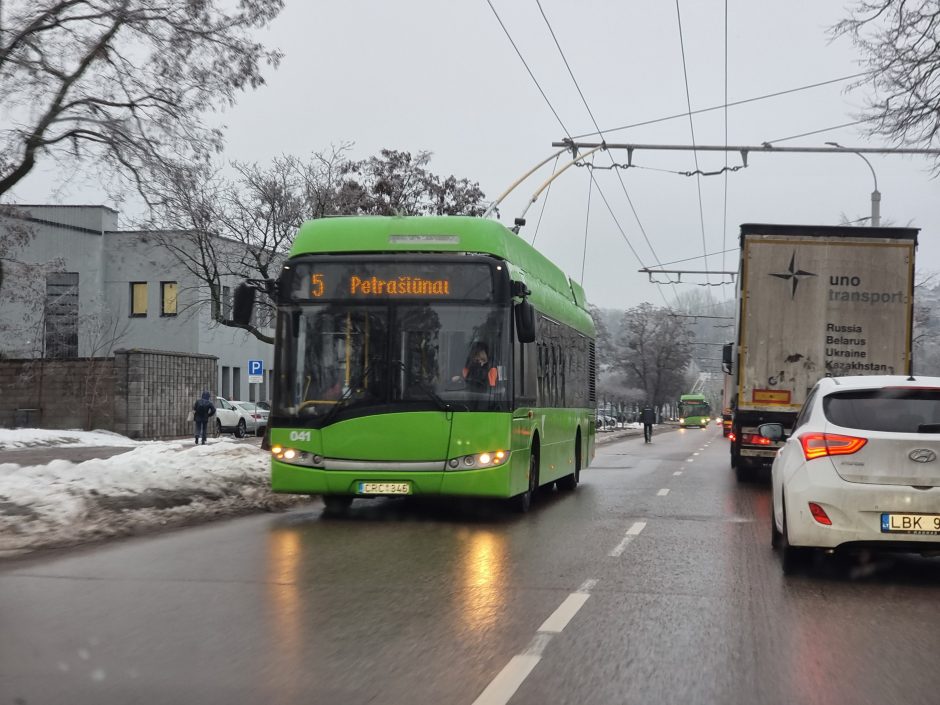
x,y
860,469
230,418
259,416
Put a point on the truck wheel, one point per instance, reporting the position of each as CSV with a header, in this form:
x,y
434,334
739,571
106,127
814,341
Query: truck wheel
x,y
743,471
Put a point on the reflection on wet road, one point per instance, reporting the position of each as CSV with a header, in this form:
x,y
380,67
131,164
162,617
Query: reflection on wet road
x,y
654,581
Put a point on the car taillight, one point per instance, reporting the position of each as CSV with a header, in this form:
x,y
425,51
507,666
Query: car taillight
x,y
819,514
732,437
819,445
755,440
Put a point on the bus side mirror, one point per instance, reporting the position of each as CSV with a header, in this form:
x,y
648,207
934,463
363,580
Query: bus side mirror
x,y
727,357
244,302
525,322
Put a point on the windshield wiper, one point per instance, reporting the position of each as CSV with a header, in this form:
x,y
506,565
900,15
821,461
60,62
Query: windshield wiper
x,y
427,389
345,397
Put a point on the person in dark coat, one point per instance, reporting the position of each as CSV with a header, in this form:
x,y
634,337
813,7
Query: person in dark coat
x,y
648,418
203,410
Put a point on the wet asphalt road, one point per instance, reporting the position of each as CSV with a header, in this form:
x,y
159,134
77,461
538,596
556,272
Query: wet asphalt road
x,y
619,593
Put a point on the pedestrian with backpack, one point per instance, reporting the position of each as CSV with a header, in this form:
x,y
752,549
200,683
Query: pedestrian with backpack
x,y
648,418
203,410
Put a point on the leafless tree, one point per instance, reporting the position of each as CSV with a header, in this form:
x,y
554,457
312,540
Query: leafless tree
x,y
122,83
898,40
229,228
655,351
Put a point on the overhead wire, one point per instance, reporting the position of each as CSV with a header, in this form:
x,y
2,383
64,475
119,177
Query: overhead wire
x,y
531,75
587,220
594,120
698,178
771,143
725,105
548,192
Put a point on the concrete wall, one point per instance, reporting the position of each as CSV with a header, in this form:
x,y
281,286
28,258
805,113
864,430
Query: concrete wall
x,y
139,393
74,393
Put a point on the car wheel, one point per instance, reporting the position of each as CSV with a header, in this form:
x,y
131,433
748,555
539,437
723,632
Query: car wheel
x,y
569,482
336,504
522,502
260,430
217,427
776,538
793,557
240,431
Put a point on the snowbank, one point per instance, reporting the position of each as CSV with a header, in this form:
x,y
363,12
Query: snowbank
x,y
156,484
13,438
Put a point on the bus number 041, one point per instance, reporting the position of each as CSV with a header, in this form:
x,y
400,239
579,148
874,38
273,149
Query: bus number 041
x,y
300,435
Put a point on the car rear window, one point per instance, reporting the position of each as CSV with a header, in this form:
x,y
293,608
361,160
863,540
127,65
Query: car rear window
x,y
900,410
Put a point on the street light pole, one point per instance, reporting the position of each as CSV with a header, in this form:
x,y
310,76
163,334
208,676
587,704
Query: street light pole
x,y
875,195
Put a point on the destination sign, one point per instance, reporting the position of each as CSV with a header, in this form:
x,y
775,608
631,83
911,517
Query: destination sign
x,y
392,280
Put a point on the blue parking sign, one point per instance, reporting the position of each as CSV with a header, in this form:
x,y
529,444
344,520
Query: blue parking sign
x,y
255,371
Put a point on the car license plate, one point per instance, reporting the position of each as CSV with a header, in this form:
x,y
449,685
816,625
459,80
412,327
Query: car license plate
x,y
910,524
384,488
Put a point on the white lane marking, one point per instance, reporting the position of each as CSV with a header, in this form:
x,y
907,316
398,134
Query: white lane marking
x,y
587,585
537,646
631,532
514,673
508,680
663,492
677,472
566,610
637,527
690,460
694,453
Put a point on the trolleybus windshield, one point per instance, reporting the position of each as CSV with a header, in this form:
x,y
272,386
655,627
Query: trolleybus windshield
x,y
391,336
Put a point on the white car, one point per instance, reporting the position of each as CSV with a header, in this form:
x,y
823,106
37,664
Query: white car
x,y
230,418
257,417
860,468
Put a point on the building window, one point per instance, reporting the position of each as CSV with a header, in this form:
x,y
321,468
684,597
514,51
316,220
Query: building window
x,y
61,315
139,299
168,298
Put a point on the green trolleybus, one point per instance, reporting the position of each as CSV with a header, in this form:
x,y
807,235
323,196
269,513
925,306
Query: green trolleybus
x,y
426,356
694,410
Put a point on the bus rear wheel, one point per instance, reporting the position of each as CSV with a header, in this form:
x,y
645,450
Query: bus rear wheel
x,y
522,502
569,482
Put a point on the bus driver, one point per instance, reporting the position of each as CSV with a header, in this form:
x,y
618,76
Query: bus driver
x,y
479,374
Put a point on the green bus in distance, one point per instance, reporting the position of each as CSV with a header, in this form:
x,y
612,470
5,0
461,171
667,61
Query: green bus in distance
x,y
426,356
694,411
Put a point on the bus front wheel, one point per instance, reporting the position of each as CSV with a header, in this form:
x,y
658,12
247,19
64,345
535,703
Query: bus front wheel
x,y
336,504
522,502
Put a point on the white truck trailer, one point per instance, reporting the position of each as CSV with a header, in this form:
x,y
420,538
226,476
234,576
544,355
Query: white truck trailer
x,y
813,301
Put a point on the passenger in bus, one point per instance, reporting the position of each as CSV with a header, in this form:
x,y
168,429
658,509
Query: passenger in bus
x,y
479,373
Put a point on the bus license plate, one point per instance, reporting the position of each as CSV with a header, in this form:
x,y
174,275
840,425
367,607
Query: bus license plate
x,y
384,488
910,524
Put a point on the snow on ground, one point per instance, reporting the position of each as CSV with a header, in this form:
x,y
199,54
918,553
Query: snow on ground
x,y
156,484
14,438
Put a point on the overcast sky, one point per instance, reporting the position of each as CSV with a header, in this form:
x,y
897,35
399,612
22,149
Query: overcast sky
x,y
441,75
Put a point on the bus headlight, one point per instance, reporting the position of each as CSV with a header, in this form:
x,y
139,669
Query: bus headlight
x,y
681,421
296,457
486,459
